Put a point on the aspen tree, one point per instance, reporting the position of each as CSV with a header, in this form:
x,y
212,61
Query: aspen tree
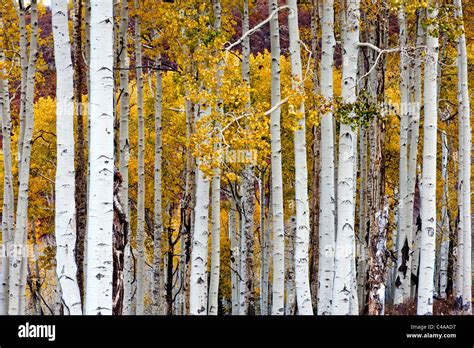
x,y
141,255
327,221
303,293
65,206
428,192
276,171
345,241
17,270
101,157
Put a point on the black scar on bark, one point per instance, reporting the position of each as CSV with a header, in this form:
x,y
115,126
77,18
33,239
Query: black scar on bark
x,y
405,255
398,282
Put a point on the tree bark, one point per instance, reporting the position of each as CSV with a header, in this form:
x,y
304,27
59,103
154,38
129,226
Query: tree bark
x,y
101,155
17,269
345,243
303,292
428,193
141,255
278,287
327,222
65,212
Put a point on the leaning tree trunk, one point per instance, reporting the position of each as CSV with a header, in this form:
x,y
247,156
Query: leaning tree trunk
x,y
101,155
428,193
65,212
278,288
327,222
17,271
303,293
343,279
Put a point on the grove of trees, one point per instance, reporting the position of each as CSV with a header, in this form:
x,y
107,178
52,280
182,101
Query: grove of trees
x,y
236,157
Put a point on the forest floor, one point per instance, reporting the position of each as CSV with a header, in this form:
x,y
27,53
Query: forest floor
x,y
445,306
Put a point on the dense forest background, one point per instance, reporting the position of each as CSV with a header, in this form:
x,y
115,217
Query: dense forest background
x,y
194,104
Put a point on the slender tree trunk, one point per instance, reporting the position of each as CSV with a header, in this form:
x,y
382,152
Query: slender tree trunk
x,y
189,203
278,287
402,291
124,147
8,196
265,262
465,146
215,246
65,220
444,247
24,77
17,269
345,242
303,293
290,269
378,219
141,255
100,212
327,222
80,173
87,62
362,237
428,193
234,256
413,132
216,195
248,190
316,149
158,201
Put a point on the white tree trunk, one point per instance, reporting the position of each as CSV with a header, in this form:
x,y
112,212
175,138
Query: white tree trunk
x,y
199,253
216,197
465,146
404,247
444,248
290,268
343,288
8,196
264,308
24,76
234,256
17,274
141,255
158,300
124,151
65,216
327,220
101,155
428,192
278,288
303,294
215,246
413,135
